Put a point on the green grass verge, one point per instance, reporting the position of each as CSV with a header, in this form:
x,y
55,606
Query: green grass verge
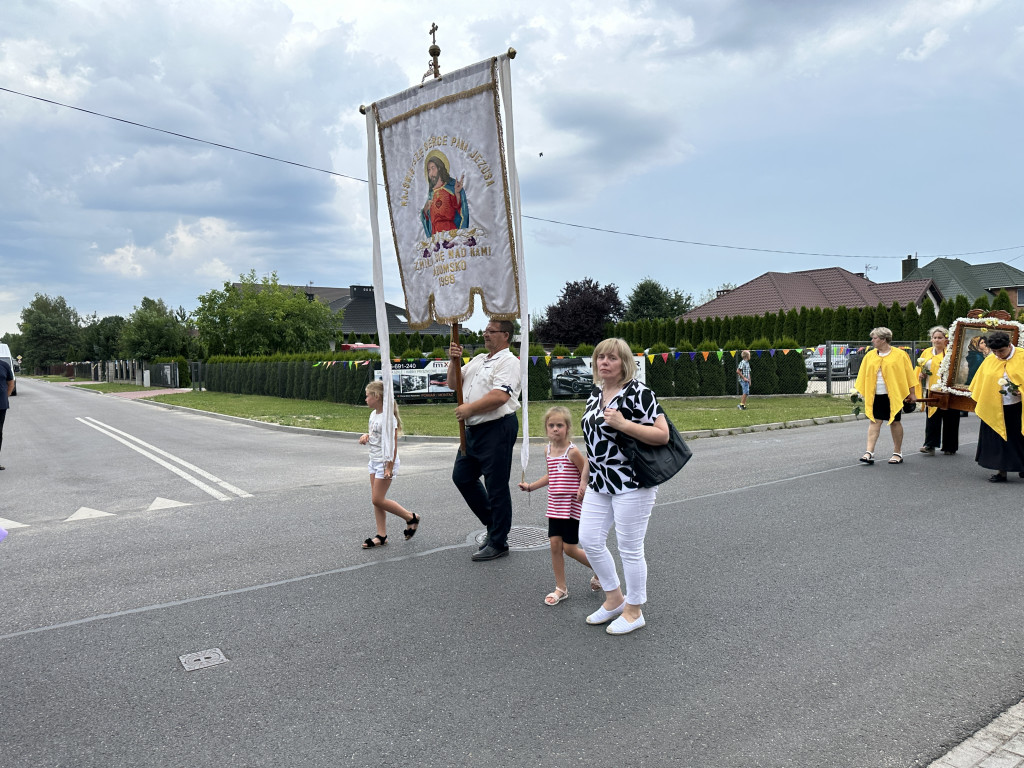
x,y
437,419
44,378
112,387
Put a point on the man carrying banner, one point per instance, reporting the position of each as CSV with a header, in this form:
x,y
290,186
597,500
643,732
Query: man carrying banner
x,y
491,383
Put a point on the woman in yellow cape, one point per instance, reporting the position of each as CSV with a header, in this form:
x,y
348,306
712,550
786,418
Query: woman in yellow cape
x,y
885,381
995,389
942,424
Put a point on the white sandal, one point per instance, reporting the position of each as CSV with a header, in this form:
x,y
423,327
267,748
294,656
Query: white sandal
x,y
559,595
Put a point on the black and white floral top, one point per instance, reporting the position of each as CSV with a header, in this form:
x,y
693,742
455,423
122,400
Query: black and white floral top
x,y
610,471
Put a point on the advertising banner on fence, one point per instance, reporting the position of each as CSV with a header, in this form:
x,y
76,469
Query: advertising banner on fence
x,y
420,381
575,375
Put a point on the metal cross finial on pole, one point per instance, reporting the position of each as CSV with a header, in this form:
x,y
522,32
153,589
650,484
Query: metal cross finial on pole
x,y
433,68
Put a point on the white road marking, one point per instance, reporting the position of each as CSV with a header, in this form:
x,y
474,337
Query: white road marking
x,y
166,465
202,473
10,525
85,513
229,592
162,503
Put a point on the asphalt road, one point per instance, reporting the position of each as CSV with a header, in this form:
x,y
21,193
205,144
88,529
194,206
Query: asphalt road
x,y
805,610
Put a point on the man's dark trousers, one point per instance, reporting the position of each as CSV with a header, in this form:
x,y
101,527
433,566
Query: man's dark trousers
x,y
489,453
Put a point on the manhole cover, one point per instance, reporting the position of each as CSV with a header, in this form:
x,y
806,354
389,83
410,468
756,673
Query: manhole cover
x,y
520,537
202,659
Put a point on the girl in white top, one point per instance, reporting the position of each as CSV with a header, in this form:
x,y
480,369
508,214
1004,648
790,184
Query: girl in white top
x,y
566,480
382,470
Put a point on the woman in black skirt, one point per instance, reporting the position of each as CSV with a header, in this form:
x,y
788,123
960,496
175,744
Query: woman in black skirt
x,y
996,389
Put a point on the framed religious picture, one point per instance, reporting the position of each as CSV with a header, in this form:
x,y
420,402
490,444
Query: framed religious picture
x,y
967,350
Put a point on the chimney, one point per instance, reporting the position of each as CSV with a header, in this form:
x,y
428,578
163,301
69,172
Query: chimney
x,y
909,265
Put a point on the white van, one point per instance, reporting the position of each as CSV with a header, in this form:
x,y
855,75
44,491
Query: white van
x,y
5,355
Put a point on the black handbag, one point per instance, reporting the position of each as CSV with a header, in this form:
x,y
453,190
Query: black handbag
x,y
655,464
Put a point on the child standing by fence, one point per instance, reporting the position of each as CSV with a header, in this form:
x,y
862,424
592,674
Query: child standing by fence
x,y
566,480
382,470
743,378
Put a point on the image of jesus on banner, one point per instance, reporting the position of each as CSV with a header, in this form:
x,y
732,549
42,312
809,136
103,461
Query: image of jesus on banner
x,y
446,208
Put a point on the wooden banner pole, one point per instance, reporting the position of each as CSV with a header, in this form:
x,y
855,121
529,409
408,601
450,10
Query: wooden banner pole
x,y
458,391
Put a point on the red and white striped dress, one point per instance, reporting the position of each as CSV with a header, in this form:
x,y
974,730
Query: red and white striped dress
x,y
563,485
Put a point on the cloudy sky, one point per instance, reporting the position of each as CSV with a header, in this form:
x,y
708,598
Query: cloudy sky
x,y
853,132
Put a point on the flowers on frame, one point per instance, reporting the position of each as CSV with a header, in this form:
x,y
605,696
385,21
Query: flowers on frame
x,y
979,323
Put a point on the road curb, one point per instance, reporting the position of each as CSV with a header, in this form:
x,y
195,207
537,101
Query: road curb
x,y
691,435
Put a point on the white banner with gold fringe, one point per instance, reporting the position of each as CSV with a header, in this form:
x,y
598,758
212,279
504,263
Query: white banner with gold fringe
x,y
445,172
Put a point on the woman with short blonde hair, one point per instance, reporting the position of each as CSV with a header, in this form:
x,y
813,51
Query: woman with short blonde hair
x,y
622,351
618,409
885,381
942,425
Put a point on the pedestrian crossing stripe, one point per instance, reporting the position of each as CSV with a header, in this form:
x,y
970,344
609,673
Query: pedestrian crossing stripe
x,y
84,513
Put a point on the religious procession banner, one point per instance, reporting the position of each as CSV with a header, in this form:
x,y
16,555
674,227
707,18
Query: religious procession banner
x,y
444,164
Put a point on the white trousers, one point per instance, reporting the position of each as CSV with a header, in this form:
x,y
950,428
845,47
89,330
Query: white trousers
x,y
630,513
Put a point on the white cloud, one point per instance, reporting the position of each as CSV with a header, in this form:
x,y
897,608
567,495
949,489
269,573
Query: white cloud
x,y
933,40
127,260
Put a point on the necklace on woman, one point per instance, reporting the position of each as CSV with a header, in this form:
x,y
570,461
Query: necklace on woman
x,y
607,398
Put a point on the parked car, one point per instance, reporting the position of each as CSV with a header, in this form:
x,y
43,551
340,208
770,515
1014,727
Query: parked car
x,y
359,348
575,381
845,362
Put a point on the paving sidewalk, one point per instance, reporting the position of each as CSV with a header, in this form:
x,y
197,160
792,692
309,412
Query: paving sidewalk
x,y
1000,744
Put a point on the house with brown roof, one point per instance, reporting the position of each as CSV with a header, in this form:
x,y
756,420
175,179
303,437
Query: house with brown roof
x,y
832,287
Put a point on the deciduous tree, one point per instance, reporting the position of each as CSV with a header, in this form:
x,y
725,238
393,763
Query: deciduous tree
x,y
262,317
580,314
50,331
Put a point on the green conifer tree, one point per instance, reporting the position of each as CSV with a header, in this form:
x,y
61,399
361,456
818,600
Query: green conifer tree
x,y
1002,301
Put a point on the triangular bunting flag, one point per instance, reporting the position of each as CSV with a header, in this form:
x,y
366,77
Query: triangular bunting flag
x,y
547,359
705,354
533,359
771,352
664,357
650,358
693,355
759,351
785,352
719,355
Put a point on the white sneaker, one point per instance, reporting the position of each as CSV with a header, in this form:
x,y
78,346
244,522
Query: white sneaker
x,y
601,616
622,627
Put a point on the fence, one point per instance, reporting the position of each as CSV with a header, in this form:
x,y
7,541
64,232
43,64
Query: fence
x,y
833,366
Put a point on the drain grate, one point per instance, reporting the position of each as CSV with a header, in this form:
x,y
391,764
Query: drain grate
x,y
520,537
202,659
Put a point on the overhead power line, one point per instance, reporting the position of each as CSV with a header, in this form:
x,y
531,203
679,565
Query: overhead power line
x,y
525,216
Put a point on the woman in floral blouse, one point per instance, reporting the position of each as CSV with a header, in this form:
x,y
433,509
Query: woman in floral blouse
x,y
620,408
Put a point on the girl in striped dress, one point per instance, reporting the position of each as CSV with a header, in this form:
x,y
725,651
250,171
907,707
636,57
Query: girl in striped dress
x,y
566,480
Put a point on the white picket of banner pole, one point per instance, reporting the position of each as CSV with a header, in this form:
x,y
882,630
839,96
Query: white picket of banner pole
x,y
383,332
505,78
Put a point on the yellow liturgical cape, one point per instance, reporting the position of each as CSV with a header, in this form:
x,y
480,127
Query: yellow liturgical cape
x,y
898,374
985,388
933,373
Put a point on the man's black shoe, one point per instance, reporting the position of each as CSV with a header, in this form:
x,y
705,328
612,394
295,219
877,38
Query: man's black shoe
x,y
490,552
